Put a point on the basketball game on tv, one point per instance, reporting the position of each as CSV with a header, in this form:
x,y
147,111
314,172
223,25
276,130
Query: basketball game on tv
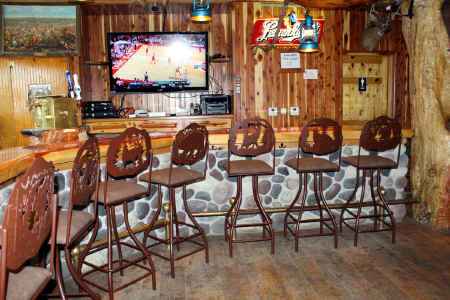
x,y
158,62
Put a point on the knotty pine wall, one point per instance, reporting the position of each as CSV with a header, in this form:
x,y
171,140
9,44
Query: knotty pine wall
x,y
16,74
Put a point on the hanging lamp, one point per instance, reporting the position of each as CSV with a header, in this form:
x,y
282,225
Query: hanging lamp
x,y
309,35
201,11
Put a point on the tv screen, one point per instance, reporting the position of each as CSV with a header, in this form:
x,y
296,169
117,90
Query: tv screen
x,y
155,62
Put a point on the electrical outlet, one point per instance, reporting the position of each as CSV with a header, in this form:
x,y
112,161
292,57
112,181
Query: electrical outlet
x,y
273,111
294,111
283,110
11,64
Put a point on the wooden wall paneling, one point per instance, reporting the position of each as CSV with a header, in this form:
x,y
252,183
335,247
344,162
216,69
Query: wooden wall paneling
x,y
238,60
250,62
7,128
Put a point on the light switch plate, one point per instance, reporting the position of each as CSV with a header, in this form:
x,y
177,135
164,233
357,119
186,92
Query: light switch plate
x,y
294,111
283,111
273,111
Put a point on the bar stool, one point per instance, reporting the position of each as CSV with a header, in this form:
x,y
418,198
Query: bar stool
x,y
128,155
379,135
74,224
190,146
318,137
249,139
29,221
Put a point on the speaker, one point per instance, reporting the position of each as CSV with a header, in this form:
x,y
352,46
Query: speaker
x,y
216,104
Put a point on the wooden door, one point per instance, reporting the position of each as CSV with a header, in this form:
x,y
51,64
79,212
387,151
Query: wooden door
x,y
361,106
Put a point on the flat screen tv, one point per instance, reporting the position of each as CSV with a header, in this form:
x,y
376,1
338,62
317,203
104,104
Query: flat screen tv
x,y
158,62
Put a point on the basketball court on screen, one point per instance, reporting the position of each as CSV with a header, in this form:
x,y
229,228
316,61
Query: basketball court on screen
x,y
165,63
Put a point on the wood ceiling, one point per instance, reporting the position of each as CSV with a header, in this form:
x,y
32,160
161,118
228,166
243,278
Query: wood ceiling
x,y
306,3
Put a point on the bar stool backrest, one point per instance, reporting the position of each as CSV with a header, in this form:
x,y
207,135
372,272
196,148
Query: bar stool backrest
x,y
321,136
381,134
29,214
191,145
129,154
251,137
85,173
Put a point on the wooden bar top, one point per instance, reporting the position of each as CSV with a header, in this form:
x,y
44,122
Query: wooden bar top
x,y
14,161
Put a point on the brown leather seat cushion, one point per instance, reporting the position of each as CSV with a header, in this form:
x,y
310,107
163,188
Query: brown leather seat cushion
x,y
370,162
180,176
120,191
312,164
28,282
248,168
81,220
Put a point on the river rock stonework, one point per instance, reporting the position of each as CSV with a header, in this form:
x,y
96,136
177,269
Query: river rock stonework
x,y
214,193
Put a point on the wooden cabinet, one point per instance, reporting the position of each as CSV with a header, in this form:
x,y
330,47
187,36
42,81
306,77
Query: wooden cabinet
x,y
168,125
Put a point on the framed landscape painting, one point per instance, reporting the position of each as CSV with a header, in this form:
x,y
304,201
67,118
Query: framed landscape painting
x,y
39,30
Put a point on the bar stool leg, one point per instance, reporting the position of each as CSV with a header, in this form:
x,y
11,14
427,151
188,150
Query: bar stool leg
x,y
234,215
385,206
361,202
76,277
349,200
231,211
300,213
82,256
59,278
110,254
139,245
374,201
288,212
194,221
316,193
328,210
155,216
172,257
264,216
116,237
175,218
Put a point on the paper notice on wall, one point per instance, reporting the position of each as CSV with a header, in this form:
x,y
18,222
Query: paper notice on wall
x,y
311,74
290,60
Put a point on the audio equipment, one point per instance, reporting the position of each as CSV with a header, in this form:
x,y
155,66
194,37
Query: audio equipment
x,y
216,104
99,109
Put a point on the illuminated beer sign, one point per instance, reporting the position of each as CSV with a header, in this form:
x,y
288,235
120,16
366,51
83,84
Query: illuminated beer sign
x,y
264,31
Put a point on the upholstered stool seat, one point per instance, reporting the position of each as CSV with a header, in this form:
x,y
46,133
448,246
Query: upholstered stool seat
x,y
81,221
120,191
27,283
370,162
318,138
377,136
248,168
180,176
312,164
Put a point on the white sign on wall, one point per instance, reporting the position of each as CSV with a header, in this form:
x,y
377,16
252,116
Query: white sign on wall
x,y
290,60
311,74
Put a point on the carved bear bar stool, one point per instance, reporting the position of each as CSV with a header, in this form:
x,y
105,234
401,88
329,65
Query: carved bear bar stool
x,y
379,135
128,155
30,217
249,139
319,137
189,147
75,224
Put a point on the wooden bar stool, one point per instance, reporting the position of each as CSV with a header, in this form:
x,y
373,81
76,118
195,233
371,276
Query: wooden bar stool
x,y
128,155
319,137
249,139
379,135
190,146
30,217
74,224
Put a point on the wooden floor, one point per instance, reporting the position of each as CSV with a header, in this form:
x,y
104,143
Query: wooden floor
x,y
416,267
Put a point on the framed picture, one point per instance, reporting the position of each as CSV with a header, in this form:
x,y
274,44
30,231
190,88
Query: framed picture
x,y
51,30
